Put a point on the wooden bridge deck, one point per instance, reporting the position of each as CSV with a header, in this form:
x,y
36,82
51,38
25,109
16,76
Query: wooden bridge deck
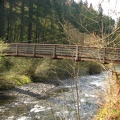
x,y
56,51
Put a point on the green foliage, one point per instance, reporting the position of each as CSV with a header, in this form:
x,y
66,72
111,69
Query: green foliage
x,y
15,79
21,65
4,85
3,61
94,68
63,69
111,110
9,80
44,68
4,64
43,21
12,74
3,47
18,71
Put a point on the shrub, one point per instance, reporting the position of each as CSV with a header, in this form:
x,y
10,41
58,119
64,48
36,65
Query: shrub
x,y
94,68
111,110
3,47
16,79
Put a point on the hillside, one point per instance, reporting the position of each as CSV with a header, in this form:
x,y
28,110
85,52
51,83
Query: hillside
x,y
44,21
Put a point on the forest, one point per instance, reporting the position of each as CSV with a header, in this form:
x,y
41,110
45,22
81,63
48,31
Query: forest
x,y
44,21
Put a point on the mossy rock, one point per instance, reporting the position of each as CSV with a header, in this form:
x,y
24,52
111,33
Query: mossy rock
x,y
10,80
19,79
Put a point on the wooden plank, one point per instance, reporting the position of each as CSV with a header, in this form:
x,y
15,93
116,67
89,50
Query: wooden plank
x,y
77,53
54,51
65,51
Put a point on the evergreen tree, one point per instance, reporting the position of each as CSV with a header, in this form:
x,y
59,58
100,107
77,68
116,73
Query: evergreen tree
x,y
43,20
30,19
100,18
1,18
22,24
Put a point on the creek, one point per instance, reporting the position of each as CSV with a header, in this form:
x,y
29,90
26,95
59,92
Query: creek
x,y
38,101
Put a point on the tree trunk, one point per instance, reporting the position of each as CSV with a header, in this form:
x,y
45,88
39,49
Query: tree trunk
x,y
22,21
15,31
1,18
9,26
36,32
30,21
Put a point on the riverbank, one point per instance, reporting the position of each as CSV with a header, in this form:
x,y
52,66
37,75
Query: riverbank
x,y
20,99
20,71
111,109
32,101
28,91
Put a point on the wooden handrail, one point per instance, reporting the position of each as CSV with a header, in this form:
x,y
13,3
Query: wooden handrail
x,y
76,52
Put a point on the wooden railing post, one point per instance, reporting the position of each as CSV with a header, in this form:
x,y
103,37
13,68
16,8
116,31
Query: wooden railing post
x,y
77,53
104,55
54,51
16,49
34,50
107,54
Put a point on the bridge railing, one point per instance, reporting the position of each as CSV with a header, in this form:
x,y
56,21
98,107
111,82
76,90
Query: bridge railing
x,y
65,51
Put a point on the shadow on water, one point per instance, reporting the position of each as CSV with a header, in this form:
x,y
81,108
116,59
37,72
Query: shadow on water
x,y
32,94
4,98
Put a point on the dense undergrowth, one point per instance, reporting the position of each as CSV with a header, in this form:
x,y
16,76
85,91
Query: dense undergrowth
x,y
19,71
111,109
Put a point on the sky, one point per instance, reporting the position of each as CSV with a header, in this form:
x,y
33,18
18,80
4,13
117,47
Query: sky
x,y
110,7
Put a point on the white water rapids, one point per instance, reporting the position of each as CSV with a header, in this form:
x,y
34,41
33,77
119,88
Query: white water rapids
x,y
62,105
